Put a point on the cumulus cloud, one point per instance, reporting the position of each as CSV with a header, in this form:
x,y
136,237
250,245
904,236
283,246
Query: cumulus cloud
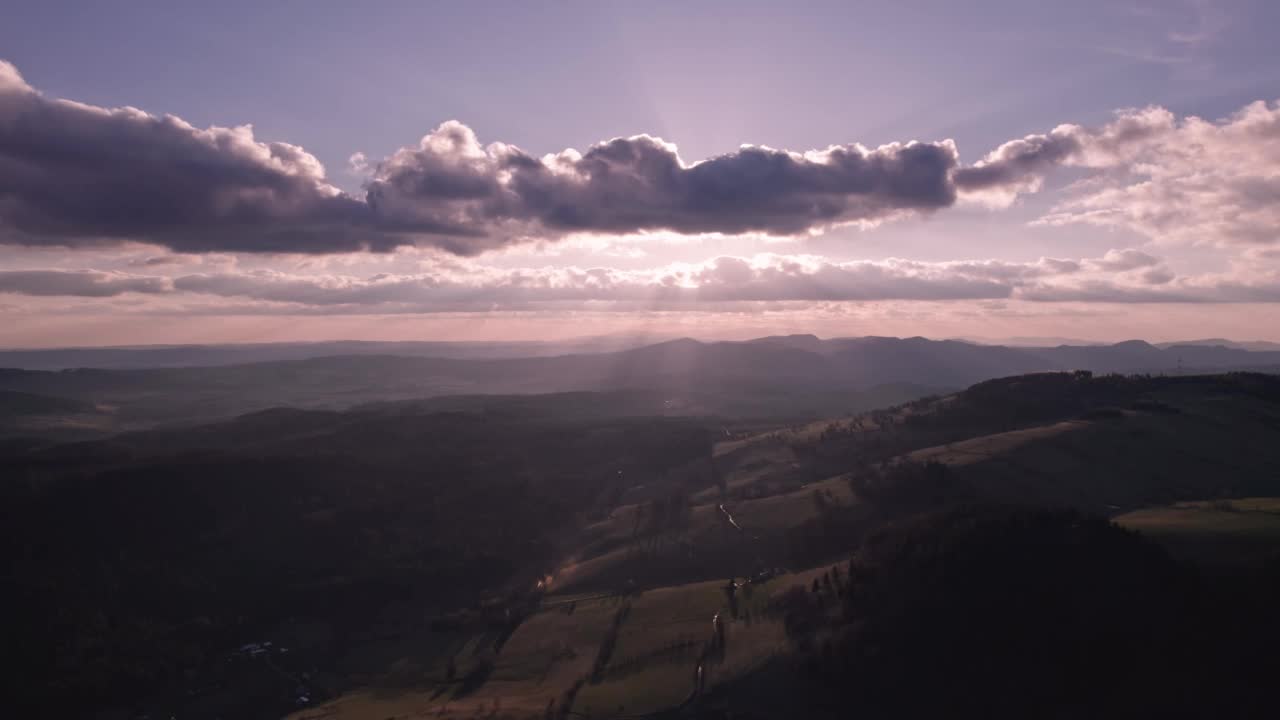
x,y
480,195
1018,166
358,164
1175,180
73,174
1189,181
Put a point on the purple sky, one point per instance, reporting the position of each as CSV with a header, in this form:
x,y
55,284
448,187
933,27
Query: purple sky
x,y
181,172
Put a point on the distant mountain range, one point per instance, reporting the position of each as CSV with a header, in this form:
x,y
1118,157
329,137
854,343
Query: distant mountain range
x,y
792,375
177,356
171,356
1036,341
1255,345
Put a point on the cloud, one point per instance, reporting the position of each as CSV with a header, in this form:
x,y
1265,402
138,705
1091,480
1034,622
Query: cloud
x,y
717,281
1157,284
1157,276
162,260
358,165
78,175
1189,181
1019,165
722,280
78,283
725,283
1122,260
480,196
75,174
781,278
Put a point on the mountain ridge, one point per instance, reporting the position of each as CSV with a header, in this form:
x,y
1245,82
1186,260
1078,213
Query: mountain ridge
x,y
793,375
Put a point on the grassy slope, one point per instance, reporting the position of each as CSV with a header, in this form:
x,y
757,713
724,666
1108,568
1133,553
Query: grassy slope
x,y
1223,532
651,667
1209,446
987,447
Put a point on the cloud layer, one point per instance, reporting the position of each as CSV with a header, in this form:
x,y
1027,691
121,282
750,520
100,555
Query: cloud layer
x,y
79,283
721,283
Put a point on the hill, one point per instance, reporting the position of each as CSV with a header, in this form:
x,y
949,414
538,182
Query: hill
x,y
522,555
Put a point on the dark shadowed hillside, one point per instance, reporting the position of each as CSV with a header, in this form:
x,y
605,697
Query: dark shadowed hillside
x,y
164,552
567,551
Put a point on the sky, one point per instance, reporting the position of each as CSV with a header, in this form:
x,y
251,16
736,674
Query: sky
x,y
175,172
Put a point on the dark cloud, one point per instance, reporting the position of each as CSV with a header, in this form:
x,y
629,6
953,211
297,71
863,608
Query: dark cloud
x,y
1019,162
480,196
74,174
78,283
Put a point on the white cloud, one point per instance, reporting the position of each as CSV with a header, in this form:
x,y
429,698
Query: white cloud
x,y
1189,181
720,283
